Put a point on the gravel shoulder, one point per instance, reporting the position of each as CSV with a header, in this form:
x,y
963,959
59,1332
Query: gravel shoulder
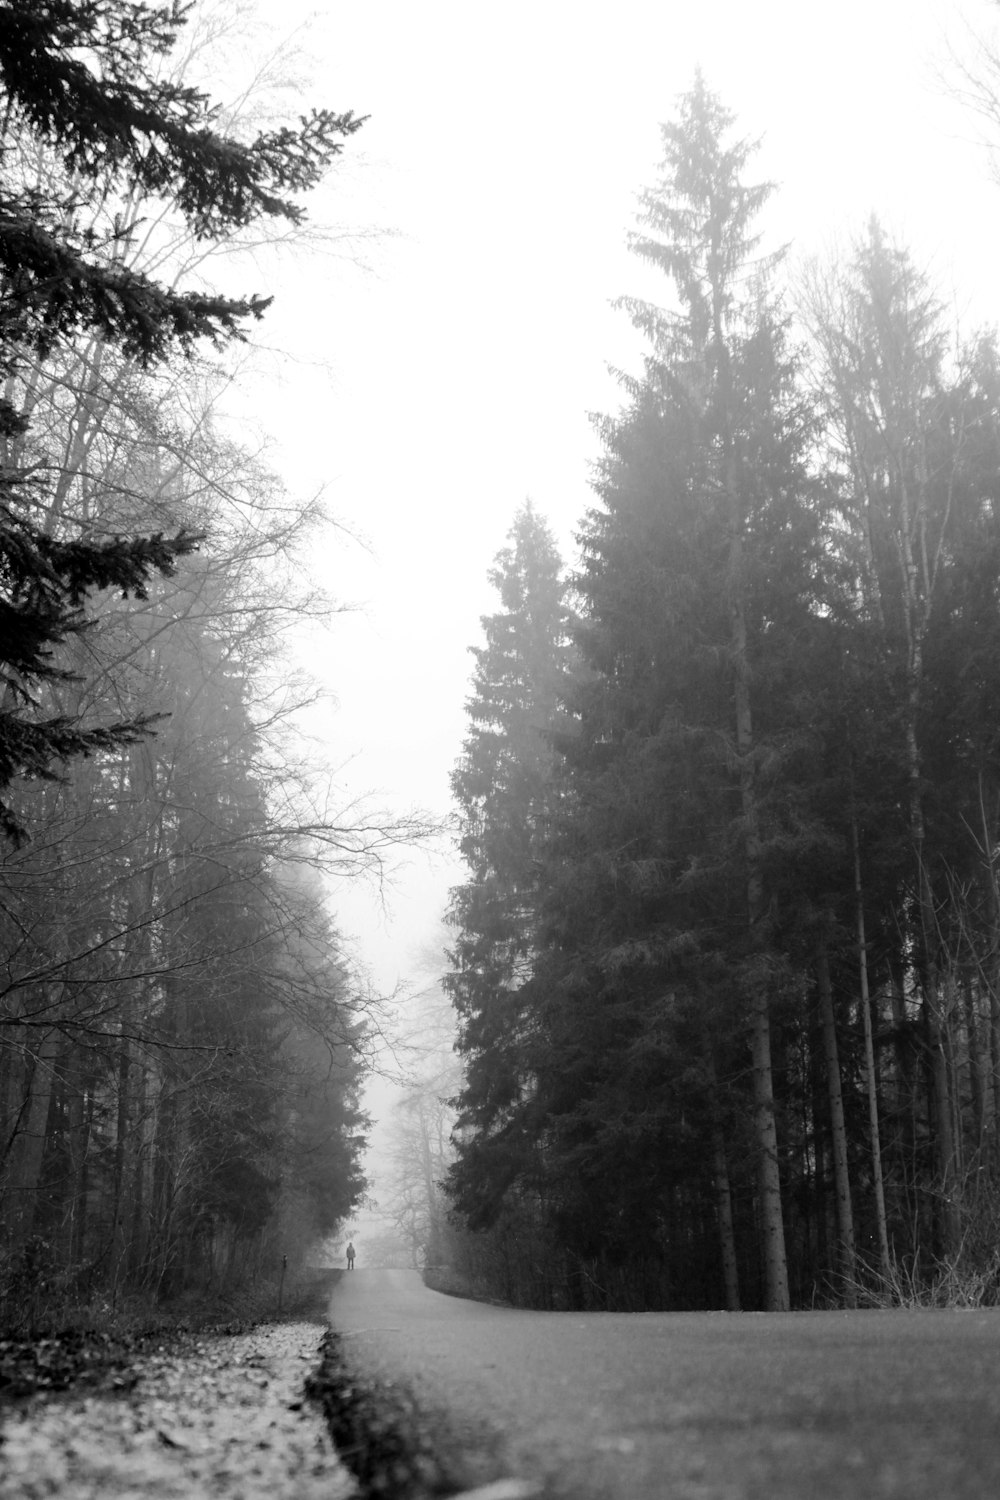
x,y
211,1415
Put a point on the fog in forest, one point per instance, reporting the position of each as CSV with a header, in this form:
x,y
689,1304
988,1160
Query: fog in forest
x,y
499,567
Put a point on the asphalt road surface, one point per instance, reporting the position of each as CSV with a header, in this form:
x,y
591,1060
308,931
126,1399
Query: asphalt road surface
x,y
692,1406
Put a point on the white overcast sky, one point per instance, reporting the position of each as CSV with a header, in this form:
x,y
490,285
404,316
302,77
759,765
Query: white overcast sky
x,y
431,395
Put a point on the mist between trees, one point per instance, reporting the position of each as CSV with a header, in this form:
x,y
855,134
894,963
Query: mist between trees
x,y
182,1036
726,964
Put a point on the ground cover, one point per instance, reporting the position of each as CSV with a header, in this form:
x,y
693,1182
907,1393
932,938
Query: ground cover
x,y
220,1414
203,1399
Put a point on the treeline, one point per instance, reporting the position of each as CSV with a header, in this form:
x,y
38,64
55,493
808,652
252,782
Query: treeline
x,y
182,1040
727,963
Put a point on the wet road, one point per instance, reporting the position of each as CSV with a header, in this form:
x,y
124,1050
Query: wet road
x,y
694,1406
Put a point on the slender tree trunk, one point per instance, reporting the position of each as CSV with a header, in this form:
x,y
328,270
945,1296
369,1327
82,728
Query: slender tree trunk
x,y
723,1194
871,1087
161,1184
916,609
16,1076
724,1216
28,1147
119,1233
11,1099
83,1220
838,1130
769,1185
951,1038
765,1126
825,1233
138,1233
977,1073
942,1121
734,487
80,1092
906,1094
995,1067
992,971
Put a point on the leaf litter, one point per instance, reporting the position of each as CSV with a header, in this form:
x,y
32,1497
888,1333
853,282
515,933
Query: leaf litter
x,y
206,1417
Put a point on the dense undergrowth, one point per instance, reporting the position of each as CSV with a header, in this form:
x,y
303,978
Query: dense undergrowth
x,y
959,1282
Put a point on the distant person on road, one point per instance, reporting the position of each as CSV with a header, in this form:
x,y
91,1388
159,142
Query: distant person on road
x,y
350,1256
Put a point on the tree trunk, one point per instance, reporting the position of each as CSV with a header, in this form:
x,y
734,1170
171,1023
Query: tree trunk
x,y
11,1093
768,1180
916,609
138,1233
950,1037
765,1127
841,1171
946,1182
992,971
824,1232
119,1232
24,1162
723,1194
871,1086
81,1113
724,1215
995,1067
977,1074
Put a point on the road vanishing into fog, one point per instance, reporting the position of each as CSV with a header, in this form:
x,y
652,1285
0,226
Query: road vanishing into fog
x,y
691,1406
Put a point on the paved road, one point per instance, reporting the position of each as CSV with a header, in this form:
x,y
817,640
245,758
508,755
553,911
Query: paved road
x,y
695,1406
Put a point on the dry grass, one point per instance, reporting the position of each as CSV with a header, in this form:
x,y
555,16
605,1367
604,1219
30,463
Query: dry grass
x,y
959,1281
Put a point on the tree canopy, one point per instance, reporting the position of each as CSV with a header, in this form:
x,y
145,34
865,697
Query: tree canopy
x,y
80,84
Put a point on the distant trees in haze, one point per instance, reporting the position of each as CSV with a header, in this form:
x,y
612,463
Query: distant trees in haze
x,y
182,1036
416,1148
730,1018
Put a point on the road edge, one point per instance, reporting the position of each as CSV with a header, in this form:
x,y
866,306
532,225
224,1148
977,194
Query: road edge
x,y
381,1435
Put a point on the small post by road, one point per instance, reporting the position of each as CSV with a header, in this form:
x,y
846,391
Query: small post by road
x,y
281,1281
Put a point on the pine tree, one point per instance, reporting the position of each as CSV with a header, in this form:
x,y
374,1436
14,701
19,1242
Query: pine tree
x,y
502,786
78,83
79,78
672,874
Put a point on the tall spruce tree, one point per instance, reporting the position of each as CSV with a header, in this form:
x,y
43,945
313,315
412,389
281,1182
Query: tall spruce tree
x,y
665,946
698,224
502,784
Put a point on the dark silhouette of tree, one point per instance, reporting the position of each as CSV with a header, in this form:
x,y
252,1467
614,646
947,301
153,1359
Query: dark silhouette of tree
x,y
503,787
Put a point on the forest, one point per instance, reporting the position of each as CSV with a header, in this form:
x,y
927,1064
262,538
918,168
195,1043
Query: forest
x,y
725,959
183,1037
726,965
